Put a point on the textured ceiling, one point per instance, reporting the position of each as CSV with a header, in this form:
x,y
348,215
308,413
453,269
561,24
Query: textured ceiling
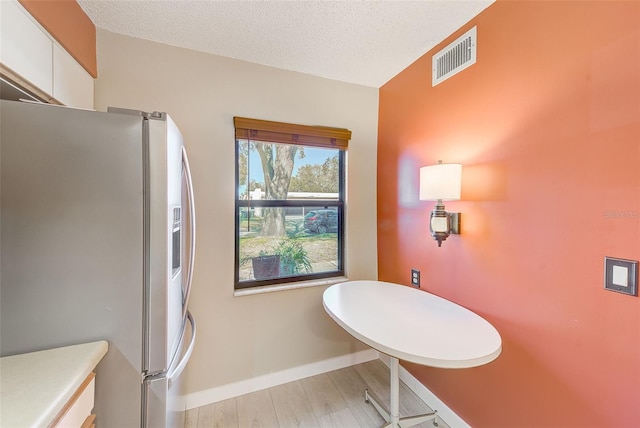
x,y
362,42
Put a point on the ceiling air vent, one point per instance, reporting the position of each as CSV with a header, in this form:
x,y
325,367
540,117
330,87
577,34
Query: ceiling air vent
x,y
454,58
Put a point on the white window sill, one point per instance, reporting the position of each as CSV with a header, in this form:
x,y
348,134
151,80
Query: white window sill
x,y
289,286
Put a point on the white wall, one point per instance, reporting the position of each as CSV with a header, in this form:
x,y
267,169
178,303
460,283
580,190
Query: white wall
x,y
243,337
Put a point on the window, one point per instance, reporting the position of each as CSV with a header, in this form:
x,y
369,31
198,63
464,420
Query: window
x,y
289,202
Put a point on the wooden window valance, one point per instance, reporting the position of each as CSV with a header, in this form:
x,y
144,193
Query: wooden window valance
x,y
287,133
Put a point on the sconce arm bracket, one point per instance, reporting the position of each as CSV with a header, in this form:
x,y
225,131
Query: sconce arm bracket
x,y
454,223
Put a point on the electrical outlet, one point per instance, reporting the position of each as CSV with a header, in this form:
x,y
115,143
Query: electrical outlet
x,y
415,278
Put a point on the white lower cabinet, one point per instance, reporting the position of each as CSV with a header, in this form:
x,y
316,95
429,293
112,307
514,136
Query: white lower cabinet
x,y
77,412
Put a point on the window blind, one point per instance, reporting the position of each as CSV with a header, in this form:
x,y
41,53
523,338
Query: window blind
x,y
287,133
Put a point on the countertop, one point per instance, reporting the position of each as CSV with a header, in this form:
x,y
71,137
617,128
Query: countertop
x,y
34,387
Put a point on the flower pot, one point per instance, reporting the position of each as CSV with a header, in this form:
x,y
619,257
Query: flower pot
x,y
288,268
266,267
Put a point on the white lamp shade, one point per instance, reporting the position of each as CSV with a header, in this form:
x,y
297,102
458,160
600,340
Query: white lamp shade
x,y
441,181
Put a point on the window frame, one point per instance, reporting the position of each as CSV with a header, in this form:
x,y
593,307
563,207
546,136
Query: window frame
x,y
252,130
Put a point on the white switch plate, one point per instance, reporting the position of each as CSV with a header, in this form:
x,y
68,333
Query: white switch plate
x,y
621,275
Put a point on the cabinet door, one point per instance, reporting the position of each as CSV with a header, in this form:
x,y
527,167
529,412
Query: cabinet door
x,y
78,410
72,85
26,49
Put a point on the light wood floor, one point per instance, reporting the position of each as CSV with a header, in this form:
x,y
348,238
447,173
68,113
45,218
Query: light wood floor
x,y
334,399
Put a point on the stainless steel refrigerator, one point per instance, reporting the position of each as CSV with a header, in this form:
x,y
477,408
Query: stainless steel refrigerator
x,y
97,242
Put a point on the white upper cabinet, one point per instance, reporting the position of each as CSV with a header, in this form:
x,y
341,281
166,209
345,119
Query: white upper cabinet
x,y
37,59
25,48
72,85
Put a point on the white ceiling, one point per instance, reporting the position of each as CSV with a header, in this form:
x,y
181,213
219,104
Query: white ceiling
x,y
355,41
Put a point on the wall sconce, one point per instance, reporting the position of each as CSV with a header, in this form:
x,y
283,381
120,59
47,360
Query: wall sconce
x,y
439,183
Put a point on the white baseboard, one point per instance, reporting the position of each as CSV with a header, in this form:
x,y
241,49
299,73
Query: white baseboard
x,y
444,412
219,393
213,395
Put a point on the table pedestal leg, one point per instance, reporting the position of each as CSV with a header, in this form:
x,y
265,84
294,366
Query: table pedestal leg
x,y
393,416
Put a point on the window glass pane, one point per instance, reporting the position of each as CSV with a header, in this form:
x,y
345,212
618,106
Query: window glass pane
x,y
289,213
307,245
292,172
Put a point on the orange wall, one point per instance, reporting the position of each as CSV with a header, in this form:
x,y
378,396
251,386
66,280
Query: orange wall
x,y
547,127
66,21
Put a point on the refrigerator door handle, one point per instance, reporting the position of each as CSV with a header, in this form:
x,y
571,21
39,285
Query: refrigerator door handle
x,y
177,370
192,231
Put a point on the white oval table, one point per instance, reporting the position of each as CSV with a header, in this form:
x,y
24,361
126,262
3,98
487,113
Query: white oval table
x,y
412,325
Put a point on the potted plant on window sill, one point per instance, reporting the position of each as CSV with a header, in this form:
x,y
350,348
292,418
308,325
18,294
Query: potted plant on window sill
x,y
293,257
288,258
